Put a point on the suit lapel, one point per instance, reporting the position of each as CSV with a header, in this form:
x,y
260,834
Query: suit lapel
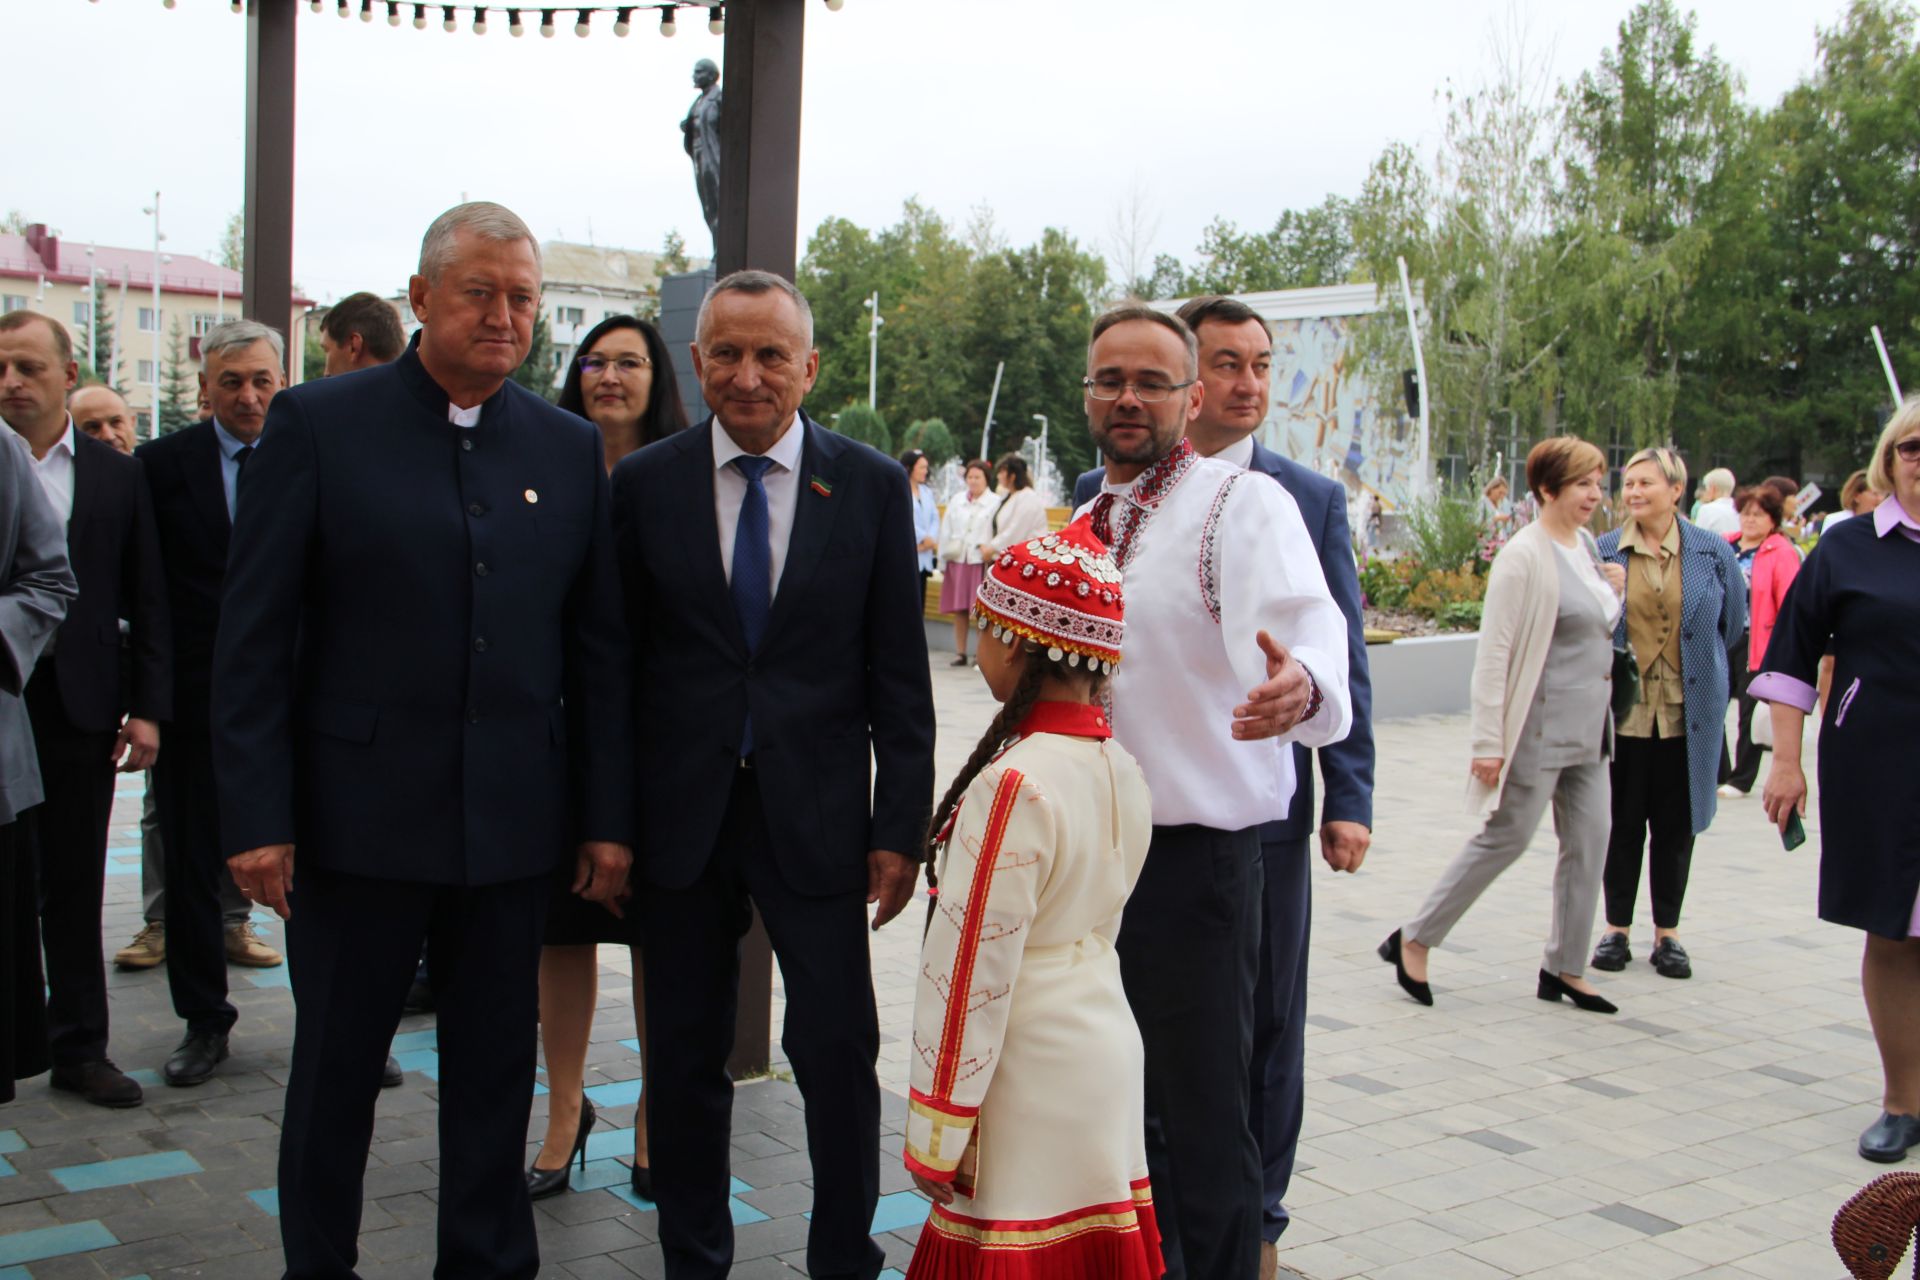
x,y
208,486
813,517
693,489
85,480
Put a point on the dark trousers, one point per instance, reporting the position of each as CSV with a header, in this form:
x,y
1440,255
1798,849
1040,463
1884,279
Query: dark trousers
x,y
70,832
691,944
1744,769
353,944
190,839
1651,811
1189,948
23,1006
1279,1083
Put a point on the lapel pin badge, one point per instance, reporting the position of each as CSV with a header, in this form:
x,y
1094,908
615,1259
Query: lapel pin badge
x,y
821,487
532,496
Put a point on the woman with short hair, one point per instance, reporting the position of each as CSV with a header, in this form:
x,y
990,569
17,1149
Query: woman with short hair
x,y
1856,598
1542,727
1685,603
1769,563
964,531
926,511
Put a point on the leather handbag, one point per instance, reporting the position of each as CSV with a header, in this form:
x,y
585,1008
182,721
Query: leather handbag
x,y
1626,666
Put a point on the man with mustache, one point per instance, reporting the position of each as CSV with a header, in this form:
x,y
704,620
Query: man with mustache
x,y
1237,650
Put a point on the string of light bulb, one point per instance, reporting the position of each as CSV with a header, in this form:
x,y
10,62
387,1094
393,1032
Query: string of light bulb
x,y
582,14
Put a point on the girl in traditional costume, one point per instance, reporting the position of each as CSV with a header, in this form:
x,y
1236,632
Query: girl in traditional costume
x,y
1025,1125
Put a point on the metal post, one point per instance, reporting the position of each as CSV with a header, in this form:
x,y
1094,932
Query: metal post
x,y
759,227
93,313
873,351
266,291
986,428
1886,366
153,423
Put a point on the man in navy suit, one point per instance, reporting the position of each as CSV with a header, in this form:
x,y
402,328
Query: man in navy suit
x,y
88,718
773,597
1236,359
421,685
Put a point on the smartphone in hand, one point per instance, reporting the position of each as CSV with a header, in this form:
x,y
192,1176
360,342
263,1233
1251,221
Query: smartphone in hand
x,y
1795,834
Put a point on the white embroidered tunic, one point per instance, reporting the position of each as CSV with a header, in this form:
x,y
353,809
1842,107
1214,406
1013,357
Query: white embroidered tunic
x,y
1210,558
1028,1076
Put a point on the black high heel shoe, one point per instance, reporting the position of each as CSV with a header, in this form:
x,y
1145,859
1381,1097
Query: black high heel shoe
x,y
542,1183
1390,952
1552,987
640,1181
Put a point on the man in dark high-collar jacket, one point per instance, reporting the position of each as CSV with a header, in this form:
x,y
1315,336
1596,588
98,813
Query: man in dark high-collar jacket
x,y
785,719
1236,356
88,719
421,688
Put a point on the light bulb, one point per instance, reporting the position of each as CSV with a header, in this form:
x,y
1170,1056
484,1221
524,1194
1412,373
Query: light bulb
x,y
344,9
479,20
419,17
667,27
393,14
237,6
514,26
581,28
447,23
315,6
546,23
717,20
366,10
834,6
623,22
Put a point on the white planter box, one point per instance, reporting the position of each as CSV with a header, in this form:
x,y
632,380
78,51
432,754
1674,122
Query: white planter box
x,y
1423,676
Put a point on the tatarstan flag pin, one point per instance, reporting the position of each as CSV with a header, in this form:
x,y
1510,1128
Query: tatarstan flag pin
x,y
821,487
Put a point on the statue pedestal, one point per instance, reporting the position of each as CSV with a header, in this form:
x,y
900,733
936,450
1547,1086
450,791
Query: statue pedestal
x,y
679,307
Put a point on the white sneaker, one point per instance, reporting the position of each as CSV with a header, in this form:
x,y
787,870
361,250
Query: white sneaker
x,y
1730,792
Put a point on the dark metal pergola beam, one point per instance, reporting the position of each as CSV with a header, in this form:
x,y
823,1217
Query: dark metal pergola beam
x,y
267,262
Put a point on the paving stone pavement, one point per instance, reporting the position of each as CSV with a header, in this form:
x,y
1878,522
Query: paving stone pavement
x,y
1707,1131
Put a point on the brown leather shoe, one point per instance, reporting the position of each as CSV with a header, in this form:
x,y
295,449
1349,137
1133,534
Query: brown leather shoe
x,y
147,950
244,947
101,1083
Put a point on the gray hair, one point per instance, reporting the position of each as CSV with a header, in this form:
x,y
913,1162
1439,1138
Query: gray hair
x,y
238,335
1127,312
483,218
1720,480
751,281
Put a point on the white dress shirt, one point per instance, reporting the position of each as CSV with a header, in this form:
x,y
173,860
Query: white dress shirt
x,y
782,483
464,417
1719,517
1239,453
55,472
1206,576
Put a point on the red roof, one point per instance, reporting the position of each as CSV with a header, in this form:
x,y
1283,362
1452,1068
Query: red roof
x,y
37,254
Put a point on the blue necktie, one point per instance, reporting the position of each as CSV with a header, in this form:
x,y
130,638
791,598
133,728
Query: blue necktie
x,y
752,583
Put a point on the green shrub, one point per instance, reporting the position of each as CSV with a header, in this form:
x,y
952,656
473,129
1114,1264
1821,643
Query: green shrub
x,y
1440,589
931,437
857,422
1461,615
1444,531
1387,582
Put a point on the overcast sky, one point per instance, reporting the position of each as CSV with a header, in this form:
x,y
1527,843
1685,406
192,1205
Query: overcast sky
x,y
1047,111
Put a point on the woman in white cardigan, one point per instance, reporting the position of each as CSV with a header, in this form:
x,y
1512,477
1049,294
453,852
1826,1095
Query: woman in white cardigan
x,y
1021,515
963,535
1542,726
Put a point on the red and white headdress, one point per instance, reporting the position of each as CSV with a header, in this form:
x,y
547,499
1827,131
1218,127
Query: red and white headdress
x,y
1062,591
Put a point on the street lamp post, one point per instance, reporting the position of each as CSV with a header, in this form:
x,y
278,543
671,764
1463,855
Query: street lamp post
x,y
93,313
873,350
153,417
1041,418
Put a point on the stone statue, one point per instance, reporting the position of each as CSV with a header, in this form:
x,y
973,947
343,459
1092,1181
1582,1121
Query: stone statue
x,y
702,130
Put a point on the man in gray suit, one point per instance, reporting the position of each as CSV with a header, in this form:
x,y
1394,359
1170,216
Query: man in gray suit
x,y
36,585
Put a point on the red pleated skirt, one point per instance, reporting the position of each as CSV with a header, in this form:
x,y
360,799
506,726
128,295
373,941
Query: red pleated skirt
x,y
1100,1242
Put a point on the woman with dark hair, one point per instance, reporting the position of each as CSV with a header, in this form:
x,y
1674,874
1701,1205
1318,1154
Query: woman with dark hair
x,y
964,531
926,511
623,383
1021,514
1769,563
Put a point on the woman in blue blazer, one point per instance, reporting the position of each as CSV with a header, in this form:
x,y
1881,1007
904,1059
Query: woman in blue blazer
x,y
1685,604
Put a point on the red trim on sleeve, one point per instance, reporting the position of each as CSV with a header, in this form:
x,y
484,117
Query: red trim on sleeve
x,y
961,985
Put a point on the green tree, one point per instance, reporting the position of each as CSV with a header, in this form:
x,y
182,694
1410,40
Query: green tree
x,y
536,371
233,242
857,422
179,390
101,369
13,223
313,356
1304,248
673,254
931,437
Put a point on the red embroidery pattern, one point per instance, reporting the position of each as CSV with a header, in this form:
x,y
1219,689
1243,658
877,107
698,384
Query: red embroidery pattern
x,y
1144,499
1210,549
961,984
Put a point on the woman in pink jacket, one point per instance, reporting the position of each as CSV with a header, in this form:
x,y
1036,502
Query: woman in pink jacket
x,y
1769,562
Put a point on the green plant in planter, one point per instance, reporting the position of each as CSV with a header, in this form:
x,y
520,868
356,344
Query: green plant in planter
x,y
1444,531
1461,615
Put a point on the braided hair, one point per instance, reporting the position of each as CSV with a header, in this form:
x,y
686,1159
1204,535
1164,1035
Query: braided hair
x,y
1026,692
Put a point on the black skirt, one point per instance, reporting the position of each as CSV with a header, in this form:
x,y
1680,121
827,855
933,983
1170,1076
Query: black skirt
x,y
572,921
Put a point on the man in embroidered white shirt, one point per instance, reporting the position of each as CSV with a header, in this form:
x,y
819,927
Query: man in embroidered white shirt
x,y
1235,651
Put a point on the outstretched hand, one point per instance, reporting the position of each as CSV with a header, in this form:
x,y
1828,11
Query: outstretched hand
x,y
1277,705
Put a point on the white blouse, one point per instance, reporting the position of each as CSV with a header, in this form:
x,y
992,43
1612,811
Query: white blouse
x,y
1021,516
967,523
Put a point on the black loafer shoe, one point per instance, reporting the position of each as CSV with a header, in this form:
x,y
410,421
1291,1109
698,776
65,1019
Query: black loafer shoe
x,y
193,1062
1390,952
419,998
101,1083
391,1077
1887,1139
1612,954
1669,959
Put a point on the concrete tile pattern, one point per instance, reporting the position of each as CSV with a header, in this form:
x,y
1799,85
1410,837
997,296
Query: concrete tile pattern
x,y
1707,1131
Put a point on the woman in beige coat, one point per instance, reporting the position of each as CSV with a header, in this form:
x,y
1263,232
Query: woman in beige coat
x,y
1542,726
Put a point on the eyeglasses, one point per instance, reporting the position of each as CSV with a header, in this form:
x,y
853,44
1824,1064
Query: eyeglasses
x,y
625,364
1908,449
1152,391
